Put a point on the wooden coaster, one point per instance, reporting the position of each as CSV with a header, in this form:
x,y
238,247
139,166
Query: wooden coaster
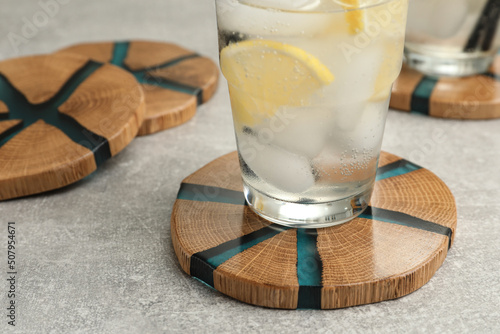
x,y
175,80
61,116
391,250
474,97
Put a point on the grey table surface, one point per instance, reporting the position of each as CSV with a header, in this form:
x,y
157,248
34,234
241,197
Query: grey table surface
x,y
97,257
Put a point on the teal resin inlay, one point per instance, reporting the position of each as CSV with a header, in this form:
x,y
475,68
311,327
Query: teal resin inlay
x,y
199,193
204,263
309,269
21,109
308,262
421,96
397,168
242,246
144,76
399,218
120,51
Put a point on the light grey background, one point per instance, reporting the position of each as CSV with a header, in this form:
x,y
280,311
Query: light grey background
x,y
96,257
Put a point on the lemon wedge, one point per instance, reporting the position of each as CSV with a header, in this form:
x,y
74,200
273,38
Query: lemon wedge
x,y
354,18
264,75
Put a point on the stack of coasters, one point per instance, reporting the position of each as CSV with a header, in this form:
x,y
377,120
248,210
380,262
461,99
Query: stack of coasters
x,y
62,115
174,80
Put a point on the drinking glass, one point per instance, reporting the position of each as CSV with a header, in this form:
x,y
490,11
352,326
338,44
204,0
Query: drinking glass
x,y
309,83
452,37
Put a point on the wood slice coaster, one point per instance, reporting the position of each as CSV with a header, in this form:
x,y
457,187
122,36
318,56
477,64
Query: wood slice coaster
x,y
175,80
474,97
389,251
61,116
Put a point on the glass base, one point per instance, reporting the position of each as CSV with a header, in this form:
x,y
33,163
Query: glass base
x,y
301,215
437,66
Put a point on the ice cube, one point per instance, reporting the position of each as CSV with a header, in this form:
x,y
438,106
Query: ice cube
x,y
235,16
284,170
300,130
370,126
355,75
348,115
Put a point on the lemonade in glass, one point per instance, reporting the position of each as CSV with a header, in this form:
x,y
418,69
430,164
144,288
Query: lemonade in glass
x,y
309,83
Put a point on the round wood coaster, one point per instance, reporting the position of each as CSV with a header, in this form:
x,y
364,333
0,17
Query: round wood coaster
x,y
61,116
175,80
474,97
391,250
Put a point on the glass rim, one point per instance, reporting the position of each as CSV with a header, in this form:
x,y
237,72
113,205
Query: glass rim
x,y
313,11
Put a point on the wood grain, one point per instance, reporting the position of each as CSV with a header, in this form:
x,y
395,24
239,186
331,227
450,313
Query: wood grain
x,y
48,74
75,114
110,110
3,108
195,72
386,253
424,201
174,79
476,97
101,52
144,54
8,125
242,277
223,172
165,108
225,214
41,158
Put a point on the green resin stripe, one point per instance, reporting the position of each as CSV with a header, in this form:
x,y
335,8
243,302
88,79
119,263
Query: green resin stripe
x,y
404,219
420,101
148,79
144,76
220,195
200,193
120,51
20,108
167,63
10,132
397,168
309,265
309,269
204,263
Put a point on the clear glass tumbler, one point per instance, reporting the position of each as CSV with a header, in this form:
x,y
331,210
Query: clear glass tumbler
x,y
309,83
452,37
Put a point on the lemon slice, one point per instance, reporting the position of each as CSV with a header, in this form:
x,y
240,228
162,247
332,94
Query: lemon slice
x,y
264,75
